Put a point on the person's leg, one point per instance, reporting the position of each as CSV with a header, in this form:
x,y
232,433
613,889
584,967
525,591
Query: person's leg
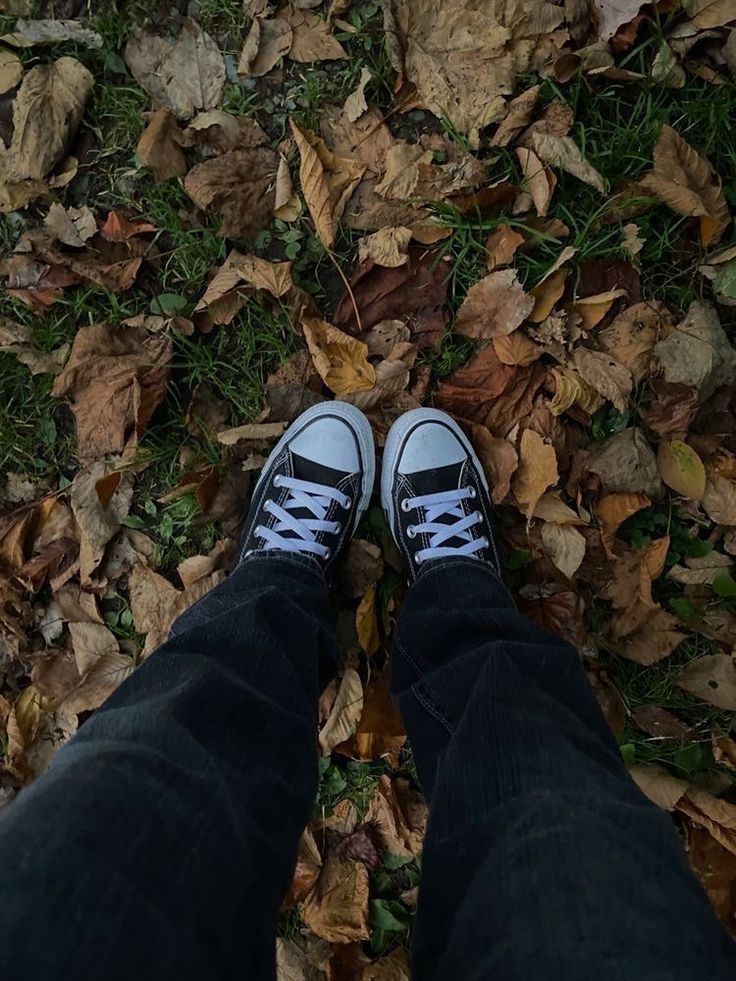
x,y
163,838
542,857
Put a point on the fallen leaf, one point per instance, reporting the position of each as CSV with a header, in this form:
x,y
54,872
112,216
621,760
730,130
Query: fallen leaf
x,y
386,247
391,967
72,226
572,389
563,152
17,339
239,185
355,104
631,241
366,623
98,522
501,247
115,380
160,146
183,74
361,568
661,724
268,40
632,335
698,353
610,15
604,374
117,228
681,469
546,294
343,718
392,379
711,678
307,871
518,116
414,293
341,361
715,866
46,113
539,181
626,464
613,509
399,815
516,349
11,70
592,309
495,306
312,38
719,499
654,641
327,182
660,786
565,546
198,567
536,472
337,908
380,731
29,33
685,181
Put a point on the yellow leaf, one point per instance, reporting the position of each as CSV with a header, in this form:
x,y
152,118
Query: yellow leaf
x,y
342,362
565,545
386,247
327,180
572,389
613,509
516,349
546,294
344,714
366,623
536,472
681,469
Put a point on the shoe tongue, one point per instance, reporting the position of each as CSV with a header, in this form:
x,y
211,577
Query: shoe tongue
x,y
435,481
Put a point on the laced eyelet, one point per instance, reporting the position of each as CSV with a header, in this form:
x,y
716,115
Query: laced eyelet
x,y
411,532
477,514
405,506
327,554
259,531
267,506
485,541
473,493
336,528
347,502
277,480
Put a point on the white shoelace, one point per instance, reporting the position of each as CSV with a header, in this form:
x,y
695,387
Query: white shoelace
x,y
304,495
445,504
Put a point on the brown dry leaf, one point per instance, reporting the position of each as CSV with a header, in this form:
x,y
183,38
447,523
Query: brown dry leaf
x,y
327,182
98,519
495,306
415,293
592,309
11,70
681,469
606,375
386,247
341,361
631,241
572,389
546,294
565,546
198,567
563,152
239,185
392,379
307,871
46,113
337,908
516,349
115,379
366,623
631,337
470,391
610,15
698,352
463,66
391,967
17,339
626,464
160,146
501,247
268,40
719,499
613,509
715,866
221,132
355,104
536,472
256,432
539,181
380,731
660,786
71,226
183,74
399,815
518,116
345,713
685,181
312,38
497,456
361,568
655,639
662,724
712,679
117,228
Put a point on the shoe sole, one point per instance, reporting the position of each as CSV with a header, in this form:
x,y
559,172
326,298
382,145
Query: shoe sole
x,y
395,441
361,428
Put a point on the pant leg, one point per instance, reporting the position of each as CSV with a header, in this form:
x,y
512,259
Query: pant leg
x,y
163,837
542,859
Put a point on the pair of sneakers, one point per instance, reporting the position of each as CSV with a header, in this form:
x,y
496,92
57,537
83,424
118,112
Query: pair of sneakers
x,y
319,479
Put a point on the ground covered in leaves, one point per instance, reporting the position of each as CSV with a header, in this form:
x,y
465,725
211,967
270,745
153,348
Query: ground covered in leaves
x,y
216,215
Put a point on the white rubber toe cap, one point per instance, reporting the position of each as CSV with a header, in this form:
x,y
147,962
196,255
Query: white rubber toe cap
x,y
431,445
329,441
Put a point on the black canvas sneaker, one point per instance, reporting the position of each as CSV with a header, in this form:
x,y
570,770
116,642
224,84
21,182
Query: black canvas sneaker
x,y
315,485
434,492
